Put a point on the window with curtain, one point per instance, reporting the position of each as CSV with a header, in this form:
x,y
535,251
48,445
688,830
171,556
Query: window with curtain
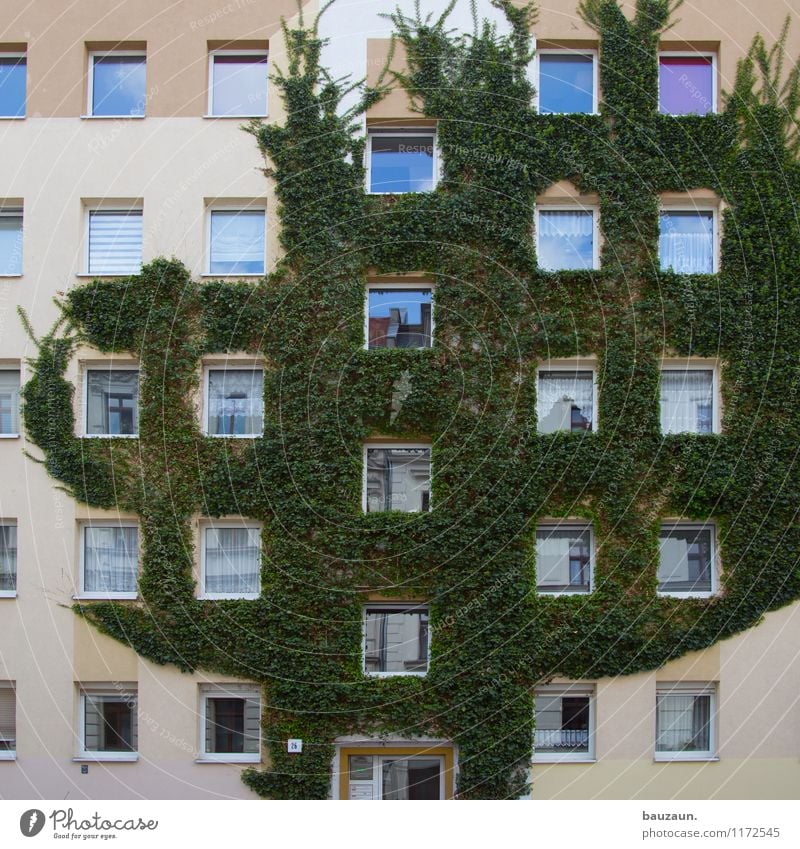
x,y
237,241
110,559
563,722
9,402
109,722
565,239
8,556
399,318
687,400
684,719
396,640
8,720
112,402
685,85
563,559
398,479
232,561
239,84
401,162
115,241
686,558
13,74
686,242
118,85
232,715
235,402
397,777
565,401
566,82
10,242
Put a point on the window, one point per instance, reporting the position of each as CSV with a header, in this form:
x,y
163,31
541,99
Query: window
x,y
117,85
13,70
395,774
8,558
397,477
115,241
399,317
564,723
687,560
9,402
396,639
564,558
687,241
231,561
109,560
685,721
235,402
567,81
8,721
565,400
566,239
112,402
236,241
400,161
687,400
231,723
108,723
238,83
687,84
10,242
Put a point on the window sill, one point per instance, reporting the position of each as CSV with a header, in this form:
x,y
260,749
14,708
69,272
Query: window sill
x,y
112,117
234,435
593,112
10,276
665,594
548,594
667,759
395,194
221,275
107,757
544,759
395,674
234,117
229,759
227,597
9,436
103,274
8,756
106,597
109,436
8,593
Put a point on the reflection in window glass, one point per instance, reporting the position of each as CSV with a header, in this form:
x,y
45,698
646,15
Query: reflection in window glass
x,y
237,242
398,777
235,402
685,85
566,82
566,239
396,640
562,722
686,242
232,561
239,85
12,86
398,479
10,242
687,400
683,722
562,559
110,559
112,400
565,401
685,560
400,318
118,85
401,163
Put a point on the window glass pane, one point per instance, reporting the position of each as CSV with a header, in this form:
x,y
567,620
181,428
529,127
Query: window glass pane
x,y
566,82
11,244
565,401
236,402
9,401
109,723
401,163
686,243
112,402
562,560
400,318
233,560
239,86
115,242
562,723
12,86
685,85
396,640
685,560
237,242
110,559
398,479
566,240
411,778
8,718
683,723
687,401
8,558
118,85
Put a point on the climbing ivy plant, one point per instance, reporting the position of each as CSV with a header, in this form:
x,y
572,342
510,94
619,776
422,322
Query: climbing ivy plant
x,y
473,395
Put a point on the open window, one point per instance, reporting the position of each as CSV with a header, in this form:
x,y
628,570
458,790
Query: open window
x,y
565,721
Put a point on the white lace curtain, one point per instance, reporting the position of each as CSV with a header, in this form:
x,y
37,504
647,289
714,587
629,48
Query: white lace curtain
x,y
235,401
233,560
686,401
558,392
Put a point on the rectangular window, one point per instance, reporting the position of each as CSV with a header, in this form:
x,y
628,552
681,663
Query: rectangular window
x,y
114,241
13,72
564,558
564,723
397,477
396,640
231,723
109,560
567,81
8,557
399,318
686,560
685,720
400,161
565,400
687,400
687,242
238,83
8,721
109,723
395,776
112,402
565,239
117,85
231,562
9,402
10,242
686,84
235,403
237,239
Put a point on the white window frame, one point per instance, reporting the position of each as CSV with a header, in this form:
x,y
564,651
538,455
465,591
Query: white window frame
x,y
594,209
699,206
85,755
588,51
15,212
102,522
226,523
110,366
399,606
561,690
18,370
571,364
688,688
405,284
233,52
10,754
230,365
216,691
384,445
681,525
232,207
696,364
408,132
688,54
393,752
566,525
88,210
12,593
15,54
90,90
